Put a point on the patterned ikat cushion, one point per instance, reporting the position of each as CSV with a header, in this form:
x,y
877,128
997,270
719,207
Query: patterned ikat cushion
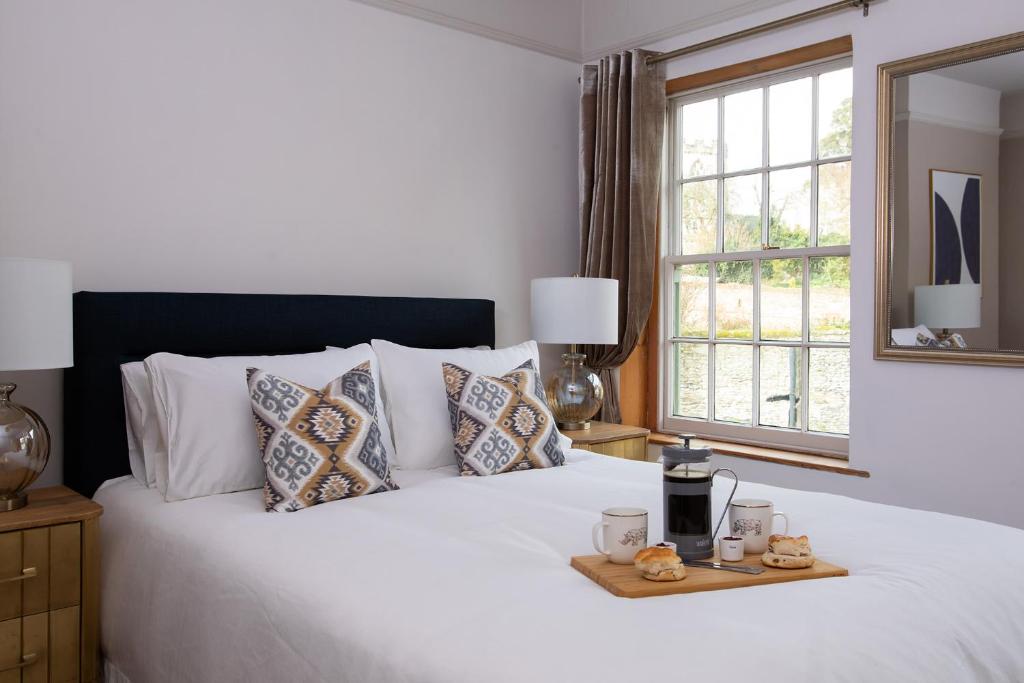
x,y
500,424
318,446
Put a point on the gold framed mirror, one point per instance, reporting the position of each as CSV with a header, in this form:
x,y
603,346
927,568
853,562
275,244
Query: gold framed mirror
x,y
950,206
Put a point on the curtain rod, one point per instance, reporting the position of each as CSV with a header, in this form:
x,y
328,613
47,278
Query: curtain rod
x,y
764,28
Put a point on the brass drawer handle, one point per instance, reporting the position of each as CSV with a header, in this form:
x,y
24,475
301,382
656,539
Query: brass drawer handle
x,y
26,573
27,660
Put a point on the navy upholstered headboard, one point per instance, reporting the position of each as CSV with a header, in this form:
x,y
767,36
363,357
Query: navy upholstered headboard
x,y
119,327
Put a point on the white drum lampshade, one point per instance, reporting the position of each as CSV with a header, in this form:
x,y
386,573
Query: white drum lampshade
x,y
35,334
35,314
574,310
947,306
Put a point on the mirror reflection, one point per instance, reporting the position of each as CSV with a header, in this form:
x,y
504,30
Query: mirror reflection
x,y
957,192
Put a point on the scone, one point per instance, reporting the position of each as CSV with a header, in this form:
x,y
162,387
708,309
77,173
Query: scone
x,y
789,545
770,559
673,574
788,552
659,564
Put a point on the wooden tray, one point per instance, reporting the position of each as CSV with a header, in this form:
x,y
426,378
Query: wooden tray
x,y
625,581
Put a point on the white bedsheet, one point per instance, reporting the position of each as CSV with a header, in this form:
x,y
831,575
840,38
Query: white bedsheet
x,y
467,579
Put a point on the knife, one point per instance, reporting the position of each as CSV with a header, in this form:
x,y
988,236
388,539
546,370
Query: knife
x,y
725,567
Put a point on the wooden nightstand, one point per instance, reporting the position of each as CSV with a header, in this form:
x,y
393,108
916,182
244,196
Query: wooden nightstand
x,y
50,589
620,441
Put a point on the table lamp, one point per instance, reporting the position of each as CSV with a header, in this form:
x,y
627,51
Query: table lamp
x,y
941,307
574,310
35,334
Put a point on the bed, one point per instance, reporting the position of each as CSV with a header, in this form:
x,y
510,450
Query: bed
x,y
465,579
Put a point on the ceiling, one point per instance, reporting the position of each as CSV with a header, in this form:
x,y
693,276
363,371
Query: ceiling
x,y
1004,73
577,30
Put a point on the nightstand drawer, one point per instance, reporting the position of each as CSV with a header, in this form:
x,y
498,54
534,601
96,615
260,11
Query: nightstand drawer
x,y
49,589
40,570
41,648
630,449
620,441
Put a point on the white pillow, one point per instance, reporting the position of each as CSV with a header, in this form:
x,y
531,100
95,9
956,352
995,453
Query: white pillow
x,y
382,390
417,403
204,414
133,376
144,421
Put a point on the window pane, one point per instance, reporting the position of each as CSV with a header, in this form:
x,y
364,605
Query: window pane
x,y
830,299
692,387
789,209
782,299
835,113
692,302
743,212
699,217
743,123
789,122
700,139
780,386
829,391
734,383
734,300
834,204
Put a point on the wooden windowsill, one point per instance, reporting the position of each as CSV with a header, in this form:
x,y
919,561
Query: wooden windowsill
x,y
809,461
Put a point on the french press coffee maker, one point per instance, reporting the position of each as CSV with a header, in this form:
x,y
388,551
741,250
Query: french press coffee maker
x,y
687,479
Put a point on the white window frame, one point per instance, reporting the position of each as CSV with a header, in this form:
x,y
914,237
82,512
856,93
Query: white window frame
x,y
799,440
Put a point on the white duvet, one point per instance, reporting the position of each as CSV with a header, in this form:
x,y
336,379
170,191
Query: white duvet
x,y
457,579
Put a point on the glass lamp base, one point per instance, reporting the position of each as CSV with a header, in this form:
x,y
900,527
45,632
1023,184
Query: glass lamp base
x,y
24,449
13,503
575,393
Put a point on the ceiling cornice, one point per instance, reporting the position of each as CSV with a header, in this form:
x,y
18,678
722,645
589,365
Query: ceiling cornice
x,y
449,21
972,126
681,28
410,9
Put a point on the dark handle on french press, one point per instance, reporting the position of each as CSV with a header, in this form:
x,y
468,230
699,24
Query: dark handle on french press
x,y
725,510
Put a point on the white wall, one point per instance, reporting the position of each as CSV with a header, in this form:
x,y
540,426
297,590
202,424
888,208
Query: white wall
x,y
316,146
933,436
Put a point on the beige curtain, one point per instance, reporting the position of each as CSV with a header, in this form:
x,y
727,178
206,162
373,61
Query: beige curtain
x,y
622,127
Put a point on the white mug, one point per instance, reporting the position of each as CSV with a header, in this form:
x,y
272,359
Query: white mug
x,y
751,520
625,533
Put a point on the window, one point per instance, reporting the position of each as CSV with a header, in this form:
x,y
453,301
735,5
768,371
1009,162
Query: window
x,y
756,280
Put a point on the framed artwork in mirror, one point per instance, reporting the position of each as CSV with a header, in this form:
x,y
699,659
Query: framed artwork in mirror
x,y
956,227
950,206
